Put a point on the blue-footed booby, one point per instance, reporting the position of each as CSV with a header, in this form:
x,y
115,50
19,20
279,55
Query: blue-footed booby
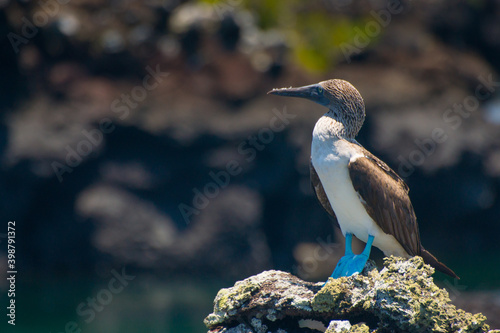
x,y
364,196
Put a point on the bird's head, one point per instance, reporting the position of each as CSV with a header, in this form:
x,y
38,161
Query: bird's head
x,y
344,102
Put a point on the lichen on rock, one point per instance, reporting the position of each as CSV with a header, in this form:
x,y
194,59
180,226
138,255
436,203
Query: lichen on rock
x,y
229,300
401,297
270,296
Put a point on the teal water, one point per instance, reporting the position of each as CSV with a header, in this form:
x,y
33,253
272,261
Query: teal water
x,y
146,304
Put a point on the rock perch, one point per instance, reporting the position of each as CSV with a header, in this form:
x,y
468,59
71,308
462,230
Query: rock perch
x,y
402,297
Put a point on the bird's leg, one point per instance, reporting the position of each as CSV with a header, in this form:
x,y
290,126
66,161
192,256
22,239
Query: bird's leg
x,y
348,245
344,261
352,263
368,246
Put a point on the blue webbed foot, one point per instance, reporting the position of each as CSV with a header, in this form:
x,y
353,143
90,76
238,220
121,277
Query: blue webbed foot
x,y
352,263
349,265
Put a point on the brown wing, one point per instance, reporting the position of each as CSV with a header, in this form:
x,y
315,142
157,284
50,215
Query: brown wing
x,y
386,200
320,193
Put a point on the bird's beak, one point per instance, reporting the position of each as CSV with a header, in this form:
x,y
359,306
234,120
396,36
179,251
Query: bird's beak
x,y
304,92
309,92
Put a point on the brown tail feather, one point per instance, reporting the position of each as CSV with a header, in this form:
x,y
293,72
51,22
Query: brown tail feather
x,y
431,260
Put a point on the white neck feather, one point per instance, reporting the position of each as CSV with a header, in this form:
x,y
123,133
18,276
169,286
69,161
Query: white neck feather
x,y
327,128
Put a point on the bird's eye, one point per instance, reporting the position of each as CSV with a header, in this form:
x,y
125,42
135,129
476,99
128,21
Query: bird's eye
x,y
320,90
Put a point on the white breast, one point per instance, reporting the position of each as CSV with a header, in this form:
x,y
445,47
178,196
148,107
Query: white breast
x,y
330,158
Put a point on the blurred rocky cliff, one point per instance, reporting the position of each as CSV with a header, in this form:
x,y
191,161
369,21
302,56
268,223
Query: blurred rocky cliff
x,y
141,133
